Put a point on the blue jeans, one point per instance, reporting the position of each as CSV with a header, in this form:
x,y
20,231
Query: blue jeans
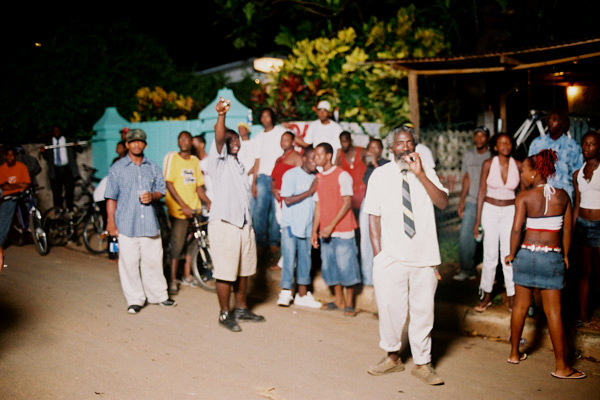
x,y
266,227
7,211
467,244
366,250
295,252
339,262
587,233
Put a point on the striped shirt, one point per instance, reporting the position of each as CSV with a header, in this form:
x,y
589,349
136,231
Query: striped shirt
x,y
125,180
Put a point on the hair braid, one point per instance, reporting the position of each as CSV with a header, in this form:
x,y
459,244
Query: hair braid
x,y
543,163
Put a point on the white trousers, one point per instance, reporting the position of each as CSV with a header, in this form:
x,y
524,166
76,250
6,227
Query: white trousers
x,y
141,270
404,294
497,224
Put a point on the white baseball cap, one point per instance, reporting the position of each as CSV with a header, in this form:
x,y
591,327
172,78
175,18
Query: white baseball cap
x,y
324,104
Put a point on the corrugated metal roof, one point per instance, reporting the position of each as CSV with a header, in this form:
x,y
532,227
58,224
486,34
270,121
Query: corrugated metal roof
x,y
501,61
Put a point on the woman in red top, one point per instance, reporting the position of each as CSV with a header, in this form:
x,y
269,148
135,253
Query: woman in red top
x,y
290,159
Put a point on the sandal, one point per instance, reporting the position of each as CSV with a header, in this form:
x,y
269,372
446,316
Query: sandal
x,y
482,308
349,312
522,357
571,375
330,306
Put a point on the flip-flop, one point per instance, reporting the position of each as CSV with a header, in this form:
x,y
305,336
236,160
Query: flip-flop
x,y
480,308
523,357
349,312
570,376
330,306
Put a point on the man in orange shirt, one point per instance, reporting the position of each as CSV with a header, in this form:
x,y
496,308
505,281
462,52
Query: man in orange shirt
x,y
14,178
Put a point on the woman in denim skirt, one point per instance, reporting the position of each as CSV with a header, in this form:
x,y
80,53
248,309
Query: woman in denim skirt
x,y
586,214
539,260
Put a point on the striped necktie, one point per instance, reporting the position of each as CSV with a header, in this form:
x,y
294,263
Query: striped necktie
x,y
409,223
57,153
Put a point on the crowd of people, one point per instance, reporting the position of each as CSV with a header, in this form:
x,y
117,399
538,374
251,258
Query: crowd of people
x,y
370,218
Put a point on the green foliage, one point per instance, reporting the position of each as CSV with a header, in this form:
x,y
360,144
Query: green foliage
x,y
338,69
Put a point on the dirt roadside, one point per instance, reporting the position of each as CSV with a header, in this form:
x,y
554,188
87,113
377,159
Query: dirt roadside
x,y
65,334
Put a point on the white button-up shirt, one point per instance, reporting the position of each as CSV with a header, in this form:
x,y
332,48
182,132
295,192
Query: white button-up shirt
x,y
384,199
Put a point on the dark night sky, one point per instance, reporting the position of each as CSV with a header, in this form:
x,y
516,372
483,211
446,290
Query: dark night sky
x,y
188,35
185,29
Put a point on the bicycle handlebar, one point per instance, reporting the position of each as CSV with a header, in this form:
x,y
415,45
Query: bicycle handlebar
x,y
19,195
197,213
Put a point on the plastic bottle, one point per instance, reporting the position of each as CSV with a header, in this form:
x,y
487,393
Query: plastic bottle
x,y
479,237
249,117
113,248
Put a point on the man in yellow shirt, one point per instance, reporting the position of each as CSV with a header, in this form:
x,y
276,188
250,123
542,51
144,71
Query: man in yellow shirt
x,y
185,191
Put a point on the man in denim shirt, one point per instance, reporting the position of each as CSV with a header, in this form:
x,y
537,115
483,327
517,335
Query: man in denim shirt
x,y
134,182
570,157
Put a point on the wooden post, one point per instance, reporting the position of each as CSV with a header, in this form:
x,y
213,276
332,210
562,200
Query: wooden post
x,y
413,100
503,113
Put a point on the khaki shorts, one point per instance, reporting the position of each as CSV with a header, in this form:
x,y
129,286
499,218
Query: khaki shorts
x,y
233,250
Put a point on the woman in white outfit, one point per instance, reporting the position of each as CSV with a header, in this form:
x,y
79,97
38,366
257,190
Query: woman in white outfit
x,y
500,177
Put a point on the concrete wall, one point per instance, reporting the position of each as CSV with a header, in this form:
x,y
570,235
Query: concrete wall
x,y
44,195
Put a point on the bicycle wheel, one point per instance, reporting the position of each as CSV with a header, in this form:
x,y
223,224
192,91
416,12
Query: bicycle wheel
x,y
37,232
202,268
56,225
94,236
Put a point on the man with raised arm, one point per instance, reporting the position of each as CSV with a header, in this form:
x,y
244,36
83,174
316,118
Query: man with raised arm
x,y
232,239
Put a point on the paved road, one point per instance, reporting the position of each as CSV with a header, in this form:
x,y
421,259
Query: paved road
x,y
65,334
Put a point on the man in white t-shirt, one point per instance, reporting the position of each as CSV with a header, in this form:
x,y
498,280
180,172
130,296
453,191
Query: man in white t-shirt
x,y
400,199
268,149
323,129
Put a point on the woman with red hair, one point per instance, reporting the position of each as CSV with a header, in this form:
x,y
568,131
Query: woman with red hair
x,y
540,259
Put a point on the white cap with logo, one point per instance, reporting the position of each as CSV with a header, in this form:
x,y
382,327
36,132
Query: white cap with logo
x,y
324,105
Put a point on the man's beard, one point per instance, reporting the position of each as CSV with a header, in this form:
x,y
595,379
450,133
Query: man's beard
x,y
401,162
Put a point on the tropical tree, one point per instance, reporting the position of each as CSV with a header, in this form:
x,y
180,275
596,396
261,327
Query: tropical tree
x,y
340,69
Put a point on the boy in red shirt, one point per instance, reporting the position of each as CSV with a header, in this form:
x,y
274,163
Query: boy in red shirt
x,y
333,230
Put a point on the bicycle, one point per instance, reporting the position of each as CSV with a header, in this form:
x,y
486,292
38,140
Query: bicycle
x,y
63,225
28,219
202,266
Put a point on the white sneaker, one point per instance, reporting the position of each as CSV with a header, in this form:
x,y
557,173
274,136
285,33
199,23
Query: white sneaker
x,y
461,276
191,281
307,301
285,298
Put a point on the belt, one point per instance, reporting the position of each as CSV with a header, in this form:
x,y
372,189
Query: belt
x,y
545,249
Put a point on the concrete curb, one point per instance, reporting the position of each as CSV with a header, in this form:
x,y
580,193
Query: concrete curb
x,y
493,323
